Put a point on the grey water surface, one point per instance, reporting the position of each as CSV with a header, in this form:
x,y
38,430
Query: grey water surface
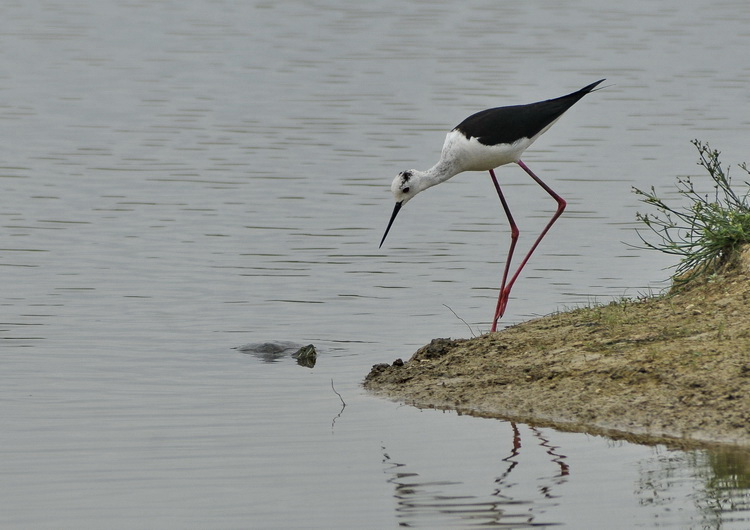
x,y
178,179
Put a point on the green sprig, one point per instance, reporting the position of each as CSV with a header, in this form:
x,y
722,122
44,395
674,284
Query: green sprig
x,y
707,232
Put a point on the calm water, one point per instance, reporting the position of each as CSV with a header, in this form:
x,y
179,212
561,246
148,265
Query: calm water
x,y
181,178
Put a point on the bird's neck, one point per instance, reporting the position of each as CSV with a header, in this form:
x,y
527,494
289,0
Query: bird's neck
x,y
438,173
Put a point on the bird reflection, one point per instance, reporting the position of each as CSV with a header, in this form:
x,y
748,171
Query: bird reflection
x,y
422,502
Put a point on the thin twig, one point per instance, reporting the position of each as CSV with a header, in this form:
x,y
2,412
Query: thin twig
x,y
462,320
339,395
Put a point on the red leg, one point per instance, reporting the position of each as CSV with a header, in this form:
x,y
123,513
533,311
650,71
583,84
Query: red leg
x,y
505,288
503,299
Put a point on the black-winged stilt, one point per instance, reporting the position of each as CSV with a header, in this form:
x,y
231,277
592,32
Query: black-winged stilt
x,y
482,142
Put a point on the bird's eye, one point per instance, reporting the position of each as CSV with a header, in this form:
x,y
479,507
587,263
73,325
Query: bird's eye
x,y
406,189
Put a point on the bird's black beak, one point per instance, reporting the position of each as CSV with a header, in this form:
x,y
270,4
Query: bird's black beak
x,y
393,216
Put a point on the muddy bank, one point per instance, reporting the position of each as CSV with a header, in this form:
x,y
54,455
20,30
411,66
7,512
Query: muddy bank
x,y
674,368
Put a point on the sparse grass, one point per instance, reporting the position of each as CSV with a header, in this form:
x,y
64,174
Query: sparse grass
x,y
618,312
708,232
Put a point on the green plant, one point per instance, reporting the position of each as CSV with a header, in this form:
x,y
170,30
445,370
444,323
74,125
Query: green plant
x,y
707,232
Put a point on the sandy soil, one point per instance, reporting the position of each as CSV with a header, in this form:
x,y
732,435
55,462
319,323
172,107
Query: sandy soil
x,y
672,369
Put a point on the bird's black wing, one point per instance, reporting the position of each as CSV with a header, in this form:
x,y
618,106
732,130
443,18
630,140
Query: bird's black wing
x,y
505,125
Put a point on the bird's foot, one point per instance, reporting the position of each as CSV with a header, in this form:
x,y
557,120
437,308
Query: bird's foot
x,y
502,302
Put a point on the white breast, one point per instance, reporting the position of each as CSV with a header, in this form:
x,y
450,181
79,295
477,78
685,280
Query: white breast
x,y
471,155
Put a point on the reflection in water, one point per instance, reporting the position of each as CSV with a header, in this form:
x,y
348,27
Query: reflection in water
x,y
721,492
432,503
343,406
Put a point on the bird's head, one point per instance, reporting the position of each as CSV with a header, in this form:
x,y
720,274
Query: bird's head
x,y
404,187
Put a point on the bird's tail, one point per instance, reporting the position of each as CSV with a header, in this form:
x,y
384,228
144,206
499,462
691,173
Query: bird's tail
x,y
569,100
593,87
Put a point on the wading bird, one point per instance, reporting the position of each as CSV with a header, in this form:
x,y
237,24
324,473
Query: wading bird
x,y
482,142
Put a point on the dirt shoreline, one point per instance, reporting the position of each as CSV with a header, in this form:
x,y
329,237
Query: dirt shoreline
x,y
672,369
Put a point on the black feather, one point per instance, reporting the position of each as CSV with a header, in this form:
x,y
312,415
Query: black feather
x,y
505,125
